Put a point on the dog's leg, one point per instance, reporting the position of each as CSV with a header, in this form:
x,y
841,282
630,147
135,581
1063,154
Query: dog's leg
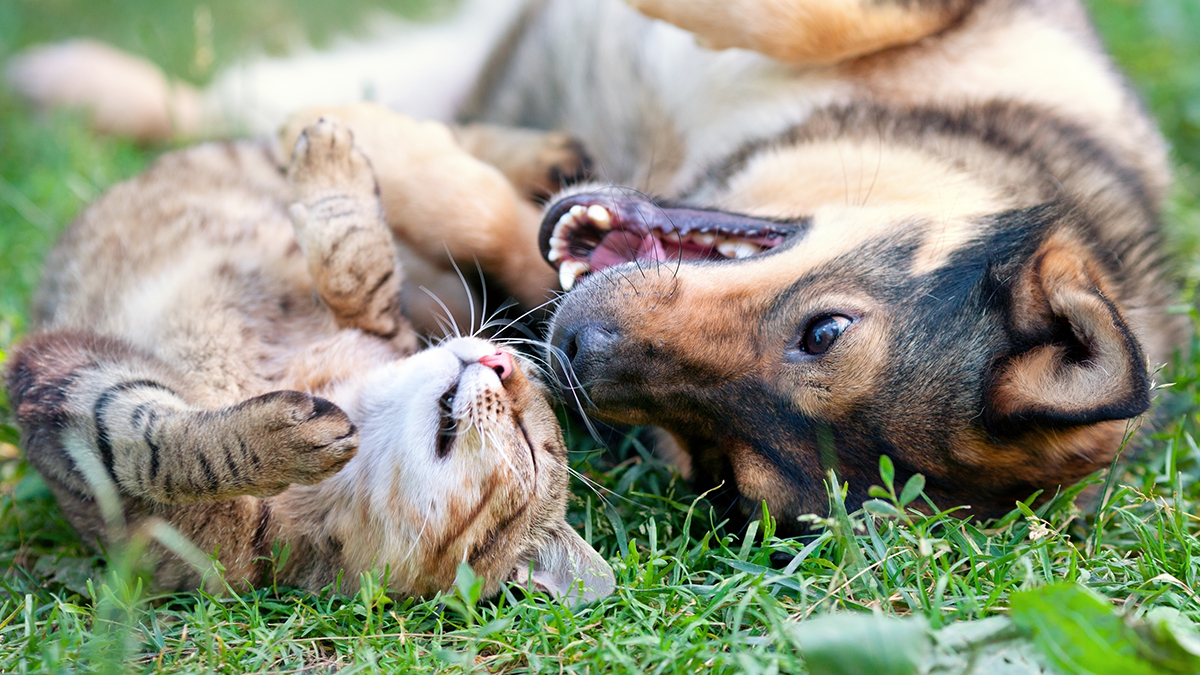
x,y
537,163
807,31
440,200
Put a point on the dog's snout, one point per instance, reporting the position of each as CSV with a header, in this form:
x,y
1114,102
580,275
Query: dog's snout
x,y
584,350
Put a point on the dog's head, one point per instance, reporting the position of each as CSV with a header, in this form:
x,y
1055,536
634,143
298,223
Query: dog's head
x,y
987,352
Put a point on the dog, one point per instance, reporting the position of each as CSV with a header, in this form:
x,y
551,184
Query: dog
x,y
818,232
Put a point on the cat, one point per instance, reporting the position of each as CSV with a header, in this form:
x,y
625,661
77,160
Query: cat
x,y
253,382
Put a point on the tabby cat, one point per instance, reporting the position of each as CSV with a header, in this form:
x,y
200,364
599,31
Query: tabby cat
x,y
251,380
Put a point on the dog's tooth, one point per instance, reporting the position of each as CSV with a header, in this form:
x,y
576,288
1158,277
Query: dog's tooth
x,y
728,248
554,255
746,249
599,216
704,238
571,270
564,225
558,242
578,211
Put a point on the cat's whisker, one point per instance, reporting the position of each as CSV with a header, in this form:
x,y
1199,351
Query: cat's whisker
x,y
599,489
420,533
446,331
517,320
462,279
449,314
483,303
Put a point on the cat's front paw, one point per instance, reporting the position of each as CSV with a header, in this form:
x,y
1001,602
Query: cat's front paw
x,y
296,438
326,163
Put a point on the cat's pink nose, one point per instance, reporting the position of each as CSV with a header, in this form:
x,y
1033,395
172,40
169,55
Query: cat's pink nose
x,y
501,362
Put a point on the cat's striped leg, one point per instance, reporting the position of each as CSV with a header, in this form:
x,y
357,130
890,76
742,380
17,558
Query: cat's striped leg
x,y
341,227
443,204
94,409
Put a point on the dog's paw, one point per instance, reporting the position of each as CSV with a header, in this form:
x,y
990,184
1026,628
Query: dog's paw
x,y
326,162
299,438
562,161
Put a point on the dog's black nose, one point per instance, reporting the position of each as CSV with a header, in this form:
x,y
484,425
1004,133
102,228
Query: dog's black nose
x,y
582,349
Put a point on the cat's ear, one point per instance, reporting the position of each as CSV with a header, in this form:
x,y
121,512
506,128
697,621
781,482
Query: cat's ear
x,y
567,568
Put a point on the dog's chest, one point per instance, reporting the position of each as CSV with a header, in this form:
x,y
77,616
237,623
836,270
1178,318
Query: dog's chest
x,y
654,108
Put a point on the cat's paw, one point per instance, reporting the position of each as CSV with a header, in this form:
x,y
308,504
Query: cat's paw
x,y
299,438
326,163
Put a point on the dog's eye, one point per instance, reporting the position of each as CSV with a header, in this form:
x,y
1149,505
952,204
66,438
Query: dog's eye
x,y
823,332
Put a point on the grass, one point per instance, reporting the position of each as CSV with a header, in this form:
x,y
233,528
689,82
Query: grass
x,y
691,596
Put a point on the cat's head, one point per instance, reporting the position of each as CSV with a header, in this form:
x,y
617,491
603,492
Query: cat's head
x,y
465,461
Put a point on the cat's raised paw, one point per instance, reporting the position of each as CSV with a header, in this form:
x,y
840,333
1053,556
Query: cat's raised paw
x,y
298,438
326,162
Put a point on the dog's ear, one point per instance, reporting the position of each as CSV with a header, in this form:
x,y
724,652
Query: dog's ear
x,y
1077,362
567,568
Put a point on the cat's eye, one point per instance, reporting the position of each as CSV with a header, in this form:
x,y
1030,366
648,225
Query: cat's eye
x,y
822,332
447,425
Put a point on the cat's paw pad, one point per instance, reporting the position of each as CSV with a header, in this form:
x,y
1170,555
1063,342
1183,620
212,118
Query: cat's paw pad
x,y
326,163
306,438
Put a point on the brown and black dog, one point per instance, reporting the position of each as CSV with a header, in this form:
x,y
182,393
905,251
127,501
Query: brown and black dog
x,y
930,230
927,229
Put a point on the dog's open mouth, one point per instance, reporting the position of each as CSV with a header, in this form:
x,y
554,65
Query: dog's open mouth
x,y
586,233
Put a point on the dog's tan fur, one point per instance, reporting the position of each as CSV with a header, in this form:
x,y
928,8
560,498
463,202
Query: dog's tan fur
x,y
969,182
805,31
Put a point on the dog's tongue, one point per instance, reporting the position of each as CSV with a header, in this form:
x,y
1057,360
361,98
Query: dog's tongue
x,y
625,246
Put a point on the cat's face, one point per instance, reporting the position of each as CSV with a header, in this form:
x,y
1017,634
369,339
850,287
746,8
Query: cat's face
x,y
465,462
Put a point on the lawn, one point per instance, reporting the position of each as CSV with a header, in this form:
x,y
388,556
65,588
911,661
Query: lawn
x,y
1110,588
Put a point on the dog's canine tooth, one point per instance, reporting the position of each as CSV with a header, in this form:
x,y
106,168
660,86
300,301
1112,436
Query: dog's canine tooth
x,y
571,270
563,225
599,216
